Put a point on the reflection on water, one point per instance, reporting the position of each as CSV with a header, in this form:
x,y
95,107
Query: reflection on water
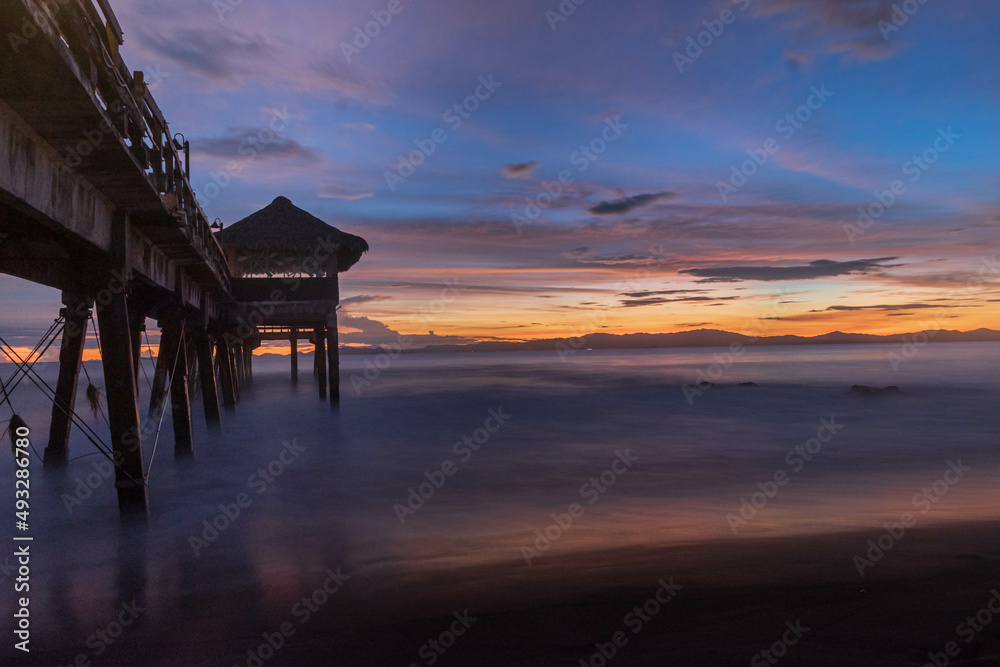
x,y
240,534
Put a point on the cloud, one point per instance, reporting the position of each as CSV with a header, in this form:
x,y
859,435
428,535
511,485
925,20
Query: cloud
x,y
225,57
620,206
795,60
850,26
643,295
335,191
586,255
358,330
245,141
892,307
368,127
365,330
363,298
519,170
823,268
218,55
690,299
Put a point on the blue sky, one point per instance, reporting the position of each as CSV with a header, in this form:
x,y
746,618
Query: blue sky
x,y
225,72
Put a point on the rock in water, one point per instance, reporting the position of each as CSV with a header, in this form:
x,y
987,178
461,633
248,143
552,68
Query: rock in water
x,y
864,390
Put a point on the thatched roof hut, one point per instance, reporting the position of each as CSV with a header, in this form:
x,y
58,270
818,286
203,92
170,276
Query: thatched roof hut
x,y
282,239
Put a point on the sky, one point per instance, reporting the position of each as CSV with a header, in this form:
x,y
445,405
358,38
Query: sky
x,y
535,169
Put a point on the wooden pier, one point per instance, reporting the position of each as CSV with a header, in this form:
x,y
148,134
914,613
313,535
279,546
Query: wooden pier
x,y
96,201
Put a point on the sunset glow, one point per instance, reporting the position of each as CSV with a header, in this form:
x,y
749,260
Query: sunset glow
x,y
588,180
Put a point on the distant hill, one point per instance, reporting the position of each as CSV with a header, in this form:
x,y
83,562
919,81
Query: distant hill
x,y
697,338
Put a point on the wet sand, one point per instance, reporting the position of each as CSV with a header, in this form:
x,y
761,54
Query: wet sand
x,y
733,599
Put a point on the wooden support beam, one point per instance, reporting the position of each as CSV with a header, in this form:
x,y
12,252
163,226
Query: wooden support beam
x,y
321,359
206,371
74,338
295,355
249,362
179,398
234,365
164,364
137,323
123,407
233,356
333,353
226,375
194,388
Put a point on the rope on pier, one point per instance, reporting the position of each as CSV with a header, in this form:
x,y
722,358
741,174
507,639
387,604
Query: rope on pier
x,y
26,369
93,392
156,438
152,360
15,420
8,388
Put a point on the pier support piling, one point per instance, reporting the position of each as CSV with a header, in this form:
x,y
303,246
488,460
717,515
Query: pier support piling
x,y
234,369
295,355
333,354
226,376
74,338
179,397
136,325
164,364
321,359
249,362
206,372
123,408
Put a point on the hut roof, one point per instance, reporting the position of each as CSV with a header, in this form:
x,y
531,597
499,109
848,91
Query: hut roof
x,y
283,228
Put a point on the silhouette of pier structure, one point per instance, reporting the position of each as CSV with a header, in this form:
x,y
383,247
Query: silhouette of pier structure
x,y
96,201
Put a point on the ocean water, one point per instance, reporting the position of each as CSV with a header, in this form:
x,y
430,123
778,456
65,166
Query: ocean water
x,y
438,464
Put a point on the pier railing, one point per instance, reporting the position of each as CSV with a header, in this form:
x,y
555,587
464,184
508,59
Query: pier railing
x,y
94,36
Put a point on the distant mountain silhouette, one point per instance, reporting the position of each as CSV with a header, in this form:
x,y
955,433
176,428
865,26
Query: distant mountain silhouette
x,y
697,338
